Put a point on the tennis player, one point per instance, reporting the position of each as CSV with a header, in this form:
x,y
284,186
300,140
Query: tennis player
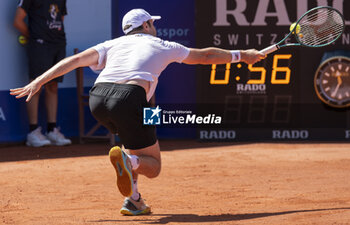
x,y
130,66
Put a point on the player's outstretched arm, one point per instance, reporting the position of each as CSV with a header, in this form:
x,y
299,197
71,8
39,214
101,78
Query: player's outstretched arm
x,y
221,56
86,58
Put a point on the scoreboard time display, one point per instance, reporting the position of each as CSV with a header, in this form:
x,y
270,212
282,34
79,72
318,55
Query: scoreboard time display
x,y
294,94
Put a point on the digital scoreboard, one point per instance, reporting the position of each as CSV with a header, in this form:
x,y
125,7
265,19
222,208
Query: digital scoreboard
x,y
296,93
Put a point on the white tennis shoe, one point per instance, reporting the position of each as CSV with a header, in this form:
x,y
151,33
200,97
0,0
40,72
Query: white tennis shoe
x,y
57,138
37,139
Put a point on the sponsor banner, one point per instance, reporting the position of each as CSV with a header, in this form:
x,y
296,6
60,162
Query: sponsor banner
x,y
277,93
222,135
274,135
255,23
290,134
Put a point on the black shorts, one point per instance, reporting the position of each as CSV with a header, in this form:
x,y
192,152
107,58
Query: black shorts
x,y
42,57
119,107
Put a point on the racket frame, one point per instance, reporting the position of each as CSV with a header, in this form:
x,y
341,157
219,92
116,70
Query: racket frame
x,y
279,45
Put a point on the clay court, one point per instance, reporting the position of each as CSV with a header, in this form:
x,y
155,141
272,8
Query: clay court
x,y
211,183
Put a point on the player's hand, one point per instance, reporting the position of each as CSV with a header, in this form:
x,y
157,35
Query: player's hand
x,y
29,90
251,56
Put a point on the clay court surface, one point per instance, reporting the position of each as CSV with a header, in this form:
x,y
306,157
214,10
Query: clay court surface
x,y
208,183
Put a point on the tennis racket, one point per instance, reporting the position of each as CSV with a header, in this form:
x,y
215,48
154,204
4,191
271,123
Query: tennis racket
x,y
318,27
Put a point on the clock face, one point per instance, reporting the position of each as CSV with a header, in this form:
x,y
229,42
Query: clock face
x,y
332,82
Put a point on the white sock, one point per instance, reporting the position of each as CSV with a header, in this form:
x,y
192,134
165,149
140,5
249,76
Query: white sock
x,y
136,195
135,162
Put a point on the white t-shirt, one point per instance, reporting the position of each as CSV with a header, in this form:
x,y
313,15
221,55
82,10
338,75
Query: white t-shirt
x,y
138,56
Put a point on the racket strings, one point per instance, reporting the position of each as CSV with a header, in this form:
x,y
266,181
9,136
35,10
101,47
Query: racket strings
x,y
320,27
321,30
328,36
320,34
314,39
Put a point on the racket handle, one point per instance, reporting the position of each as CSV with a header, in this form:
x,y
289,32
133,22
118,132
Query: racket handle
x,y
269,49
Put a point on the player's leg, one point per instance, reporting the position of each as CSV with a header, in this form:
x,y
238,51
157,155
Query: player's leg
x,y
131,161
145,159
148,163
119,108
149,160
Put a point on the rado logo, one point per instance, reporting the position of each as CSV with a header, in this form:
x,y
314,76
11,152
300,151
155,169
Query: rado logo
x,y
251,88
290,134
217,134
262,12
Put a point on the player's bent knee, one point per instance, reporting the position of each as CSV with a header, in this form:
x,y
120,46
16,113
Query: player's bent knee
x,y
150,160
155,172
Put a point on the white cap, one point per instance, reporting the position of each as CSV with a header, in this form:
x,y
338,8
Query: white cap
x,y
135,18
